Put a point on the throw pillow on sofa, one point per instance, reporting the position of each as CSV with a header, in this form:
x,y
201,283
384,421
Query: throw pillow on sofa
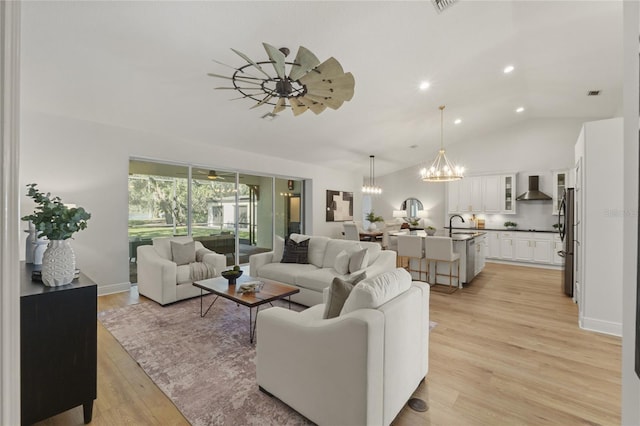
x,y
375,291
278,249
339,291
342,263
183,253
359,260
295,252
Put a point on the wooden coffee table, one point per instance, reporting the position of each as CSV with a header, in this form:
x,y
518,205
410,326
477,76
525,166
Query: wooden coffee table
x,y
271,290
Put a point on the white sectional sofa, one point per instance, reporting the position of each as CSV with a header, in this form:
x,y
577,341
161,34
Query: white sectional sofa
x,y
314,277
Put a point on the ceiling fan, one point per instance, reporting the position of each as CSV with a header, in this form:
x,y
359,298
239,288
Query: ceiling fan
x,y
304,84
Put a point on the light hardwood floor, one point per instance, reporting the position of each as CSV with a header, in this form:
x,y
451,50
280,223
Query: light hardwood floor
x,y
507,351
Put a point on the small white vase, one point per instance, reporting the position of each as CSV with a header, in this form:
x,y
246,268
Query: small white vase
x,y
372,226
58,263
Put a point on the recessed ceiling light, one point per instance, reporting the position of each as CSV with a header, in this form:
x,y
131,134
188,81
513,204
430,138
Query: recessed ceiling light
x,y
520,109
424,85
508,69
457,121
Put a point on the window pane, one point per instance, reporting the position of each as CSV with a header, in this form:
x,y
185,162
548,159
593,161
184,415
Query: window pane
x,y
288,207
213,197
255,215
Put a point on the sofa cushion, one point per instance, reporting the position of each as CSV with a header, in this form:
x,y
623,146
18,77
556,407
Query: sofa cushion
x,y
295,252
285,272
374,250
342,262
317,247
375,291
183,274
163,245
359,260
338,292
183,253
278,249
318,279
336,246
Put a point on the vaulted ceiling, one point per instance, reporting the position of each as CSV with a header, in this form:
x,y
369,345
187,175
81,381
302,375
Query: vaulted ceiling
x,y
144,65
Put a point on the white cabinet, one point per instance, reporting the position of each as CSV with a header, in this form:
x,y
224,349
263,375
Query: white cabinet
x,y
561,181
481,249
491,194
558,245
453,196
533,247
482,194
470,196
493,245
506,246
508,188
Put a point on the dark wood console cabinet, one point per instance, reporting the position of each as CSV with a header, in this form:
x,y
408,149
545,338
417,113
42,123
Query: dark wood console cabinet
x,y
58,344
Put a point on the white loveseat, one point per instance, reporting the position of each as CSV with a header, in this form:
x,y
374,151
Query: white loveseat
x,y
314,277
358,368
162,280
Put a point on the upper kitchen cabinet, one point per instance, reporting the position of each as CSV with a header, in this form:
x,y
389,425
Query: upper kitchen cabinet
x,y
562,179
483,194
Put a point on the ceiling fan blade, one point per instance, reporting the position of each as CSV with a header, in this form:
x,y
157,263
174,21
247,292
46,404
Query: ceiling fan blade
x,y
248,80
337,87
314,106
330,102
329,68
277,58
305,61
297,107
255,65
234,68
265,99
280,106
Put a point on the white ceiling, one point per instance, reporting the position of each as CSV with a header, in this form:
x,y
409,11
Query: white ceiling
x,y
143,65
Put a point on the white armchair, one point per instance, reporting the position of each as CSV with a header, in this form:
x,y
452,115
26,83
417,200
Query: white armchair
x,y
161,279
359,368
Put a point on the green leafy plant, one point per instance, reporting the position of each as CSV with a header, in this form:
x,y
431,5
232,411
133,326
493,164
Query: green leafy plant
x,y
52,219
431,228
371,217
509,224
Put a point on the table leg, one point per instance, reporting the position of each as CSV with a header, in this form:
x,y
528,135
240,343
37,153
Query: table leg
x,y
205,313
252,323
87,409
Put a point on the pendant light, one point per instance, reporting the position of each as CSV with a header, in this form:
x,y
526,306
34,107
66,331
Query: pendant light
x,y
442,170
372,188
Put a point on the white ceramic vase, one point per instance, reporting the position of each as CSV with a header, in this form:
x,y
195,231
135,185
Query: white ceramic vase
x,y
58,263
372,226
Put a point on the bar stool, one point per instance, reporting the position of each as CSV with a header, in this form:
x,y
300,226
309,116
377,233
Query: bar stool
x,y
440,249
411,247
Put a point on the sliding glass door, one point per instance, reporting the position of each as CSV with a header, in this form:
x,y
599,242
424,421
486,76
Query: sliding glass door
x,y
235,214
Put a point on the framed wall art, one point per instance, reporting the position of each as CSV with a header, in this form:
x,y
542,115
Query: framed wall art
x,y
339,206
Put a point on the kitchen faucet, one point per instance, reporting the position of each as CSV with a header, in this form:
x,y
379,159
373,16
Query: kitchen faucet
x,y
451,218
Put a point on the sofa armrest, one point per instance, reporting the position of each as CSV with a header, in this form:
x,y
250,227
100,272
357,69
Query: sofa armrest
x,y
218,261
258,260
303,360
386,261
156,276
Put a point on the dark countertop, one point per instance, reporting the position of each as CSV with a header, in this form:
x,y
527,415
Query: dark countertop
x,y
549,231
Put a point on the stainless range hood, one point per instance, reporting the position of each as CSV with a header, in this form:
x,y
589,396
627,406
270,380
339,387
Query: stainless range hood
x,y
533,193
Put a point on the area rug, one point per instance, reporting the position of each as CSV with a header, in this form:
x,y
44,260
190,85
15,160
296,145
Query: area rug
x,y
206,366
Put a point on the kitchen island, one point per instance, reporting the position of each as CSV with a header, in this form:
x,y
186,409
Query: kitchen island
x,y
470,244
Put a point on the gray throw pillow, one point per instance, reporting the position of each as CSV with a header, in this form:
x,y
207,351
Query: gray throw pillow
x,y
183,253
358,260
339,291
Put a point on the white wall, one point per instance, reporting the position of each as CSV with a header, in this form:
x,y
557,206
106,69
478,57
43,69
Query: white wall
x,y
87,164
630,381
536,147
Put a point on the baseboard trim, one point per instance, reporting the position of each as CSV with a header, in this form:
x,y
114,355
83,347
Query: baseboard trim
x,y
600,326
103,290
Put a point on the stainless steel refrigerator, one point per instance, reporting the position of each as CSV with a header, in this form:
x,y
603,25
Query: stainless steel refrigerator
x,y
566,222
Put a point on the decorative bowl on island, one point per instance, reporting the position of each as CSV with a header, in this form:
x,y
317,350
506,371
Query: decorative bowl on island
x,y
231,275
